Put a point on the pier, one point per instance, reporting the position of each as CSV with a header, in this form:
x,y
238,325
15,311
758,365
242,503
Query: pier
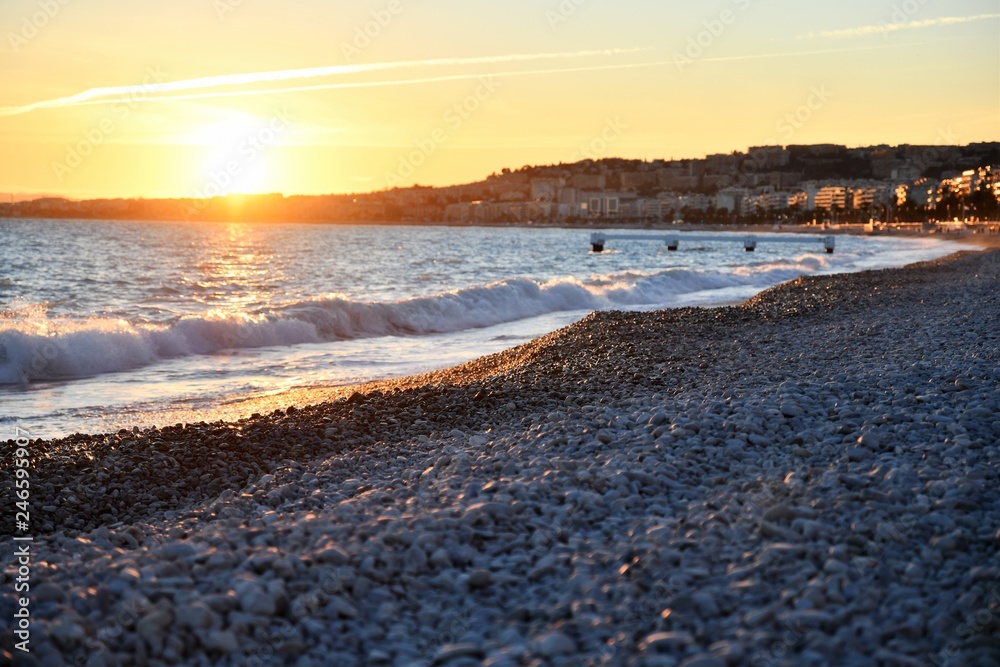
x,y
599,239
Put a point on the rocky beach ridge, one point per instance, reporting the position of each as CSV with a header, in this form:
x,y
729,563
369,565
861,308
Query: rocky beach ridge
x,y
808,478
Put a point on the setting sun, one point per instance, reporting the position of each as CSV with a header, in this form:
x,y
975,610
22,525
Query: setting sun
x,y
364,85
236,155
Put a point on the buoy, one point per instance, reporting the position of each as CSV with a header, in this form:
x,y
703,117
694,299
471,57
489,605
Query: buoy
x,y
599,239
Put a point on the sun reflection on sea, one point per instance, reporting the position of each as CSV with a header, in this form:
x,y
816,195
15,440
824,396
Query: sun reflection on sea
x,y
234,271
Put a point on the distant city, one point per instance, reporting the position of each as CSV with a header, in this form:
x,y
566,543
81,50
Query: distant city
x,y
766,184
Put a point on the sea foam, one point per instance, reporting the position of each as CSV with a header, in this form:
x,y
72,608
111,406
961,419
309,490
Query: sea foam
x,y
35,346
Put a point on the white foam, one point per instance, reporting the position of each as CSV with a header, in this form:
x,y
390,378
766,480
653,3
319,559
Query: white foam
x,y
34,346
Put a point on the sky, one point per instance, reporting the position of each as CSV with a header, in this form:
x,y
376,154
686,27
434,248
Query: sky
x,y
192,98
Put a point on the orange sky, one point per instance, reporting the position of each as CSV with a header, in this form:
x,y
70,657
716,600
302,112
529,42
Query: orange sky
x,y
108,98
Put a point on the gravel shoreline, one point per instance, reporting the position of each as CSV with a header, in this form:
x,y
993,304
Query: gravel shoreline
x,y
809,478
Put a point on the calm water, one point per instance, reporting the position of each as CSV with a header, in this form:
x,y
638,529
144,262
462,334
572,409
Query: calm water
x,y
106,325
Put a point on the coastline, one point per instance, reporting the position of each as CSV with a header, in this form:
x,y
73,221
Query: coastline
x,y
69,406
244,407
853,229
811,459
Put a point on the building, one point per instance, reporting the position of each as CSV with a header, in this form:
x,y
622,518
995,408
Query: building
x,y
569,197
717,181
831,197
730,199
590,181
670,179
971,180
863,198
602,205
546,189
925,193
784,180
722,164
775,201
766,158
906,173
696,202
634,180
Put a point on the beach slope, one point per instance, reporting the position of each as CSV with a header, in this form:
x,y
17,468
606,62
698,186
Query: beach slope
x,y
809,478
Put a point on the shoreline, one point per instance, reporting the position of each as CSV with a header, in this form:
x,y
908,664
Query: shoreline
x,y
853,229
821,457
231,407
243,407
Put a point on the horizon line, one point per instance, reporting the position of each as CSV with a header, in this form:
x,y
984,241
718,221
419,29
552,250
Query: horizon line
x,y
67,197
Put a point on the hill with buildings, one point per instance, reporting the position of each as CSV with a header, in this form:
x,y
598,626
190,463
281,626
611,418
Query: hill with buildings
x,y
763,185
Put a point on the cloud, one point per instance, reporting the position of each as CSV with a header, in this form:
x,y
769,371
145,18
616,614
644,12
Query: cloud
x,y
794,54
885,28
382,83
187,89
118,93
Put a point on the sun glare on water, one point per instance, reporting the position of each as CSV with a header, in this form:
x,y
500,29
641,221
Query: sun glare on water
x,y
236,155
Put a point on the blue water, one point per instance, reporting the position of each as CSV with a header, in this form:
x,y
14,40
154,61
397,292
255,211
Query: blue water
x,y
106,324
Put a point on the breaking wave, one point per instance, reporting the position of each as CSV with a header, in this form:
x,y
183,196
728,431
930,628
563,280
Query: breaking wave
x,y
36,347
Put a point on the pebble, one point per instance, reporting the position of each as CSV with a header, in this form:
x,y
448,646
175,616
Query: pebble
x,y
703,660
224,641
66,632
556,644
178,551
47,592
152,628
480,579
333,555
666,641
696,487
448,654
254,599
859,454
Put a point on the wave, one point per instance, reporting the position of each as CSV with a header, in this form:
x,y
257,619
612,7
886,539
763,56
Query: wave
x,y
37,347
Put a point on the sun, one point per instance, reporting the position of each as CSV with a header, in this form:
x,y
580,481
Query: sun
x,y
236,155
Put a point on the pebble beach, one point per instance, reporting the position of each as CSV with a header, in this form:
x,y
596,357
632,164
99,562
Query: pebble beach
x,y
807,478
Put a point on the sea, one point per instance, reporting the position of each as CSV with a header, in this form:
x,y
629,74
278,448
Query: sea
x,y
107,325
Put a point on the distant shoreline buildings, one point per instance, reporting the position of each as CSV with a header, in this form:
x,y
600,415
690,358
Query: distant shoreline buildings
x,y
816,183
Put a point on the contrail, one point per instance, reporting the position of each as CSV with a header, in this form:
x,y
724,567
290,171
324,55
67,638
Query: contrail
x,y
287,75
884,28
479,75
790,54
97,96
393,82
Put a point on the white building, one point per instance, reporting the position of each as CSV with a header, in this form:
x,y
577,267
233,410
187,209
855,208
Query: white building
x,y
831,197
